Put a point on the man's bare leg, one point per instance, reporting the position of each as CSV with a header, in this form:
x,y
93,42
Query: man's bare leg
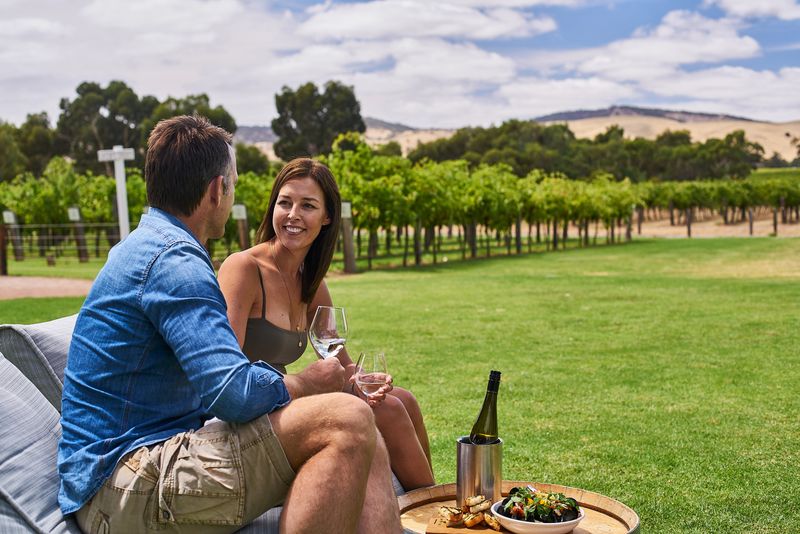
x,y
381,513
330,442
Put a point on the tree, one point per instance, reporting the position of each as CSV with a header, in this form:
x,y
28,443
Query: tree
x,y
99,118
12,160
392,148
308,122
250,159
37,141
189,105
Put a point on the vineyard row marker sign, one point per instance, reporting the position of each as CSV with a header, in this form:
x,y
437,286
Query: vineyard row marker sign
x,y
118,155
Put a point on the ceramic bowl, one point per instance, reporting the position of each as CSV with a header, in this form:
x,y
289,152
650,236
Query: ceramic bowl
x,y
527,527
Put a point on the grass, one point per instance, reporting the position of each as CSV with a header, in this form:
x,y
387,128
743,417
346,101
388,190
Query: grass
x,y
65,267
662,373
450,250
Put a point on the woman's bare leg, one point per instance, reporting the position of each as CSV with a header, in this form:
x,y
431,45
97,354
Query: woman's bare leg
x,y
408,459
415,413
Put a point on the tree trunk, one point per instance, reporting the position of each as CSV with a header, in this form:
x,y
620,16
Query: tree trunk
x,y
639,219
488,235
405,246
388,241
547,234
586,232
671,214
358,242
783,213
429,235
473,239
372,247
689,222
417,242
530,238
566,234
775,221
519,234
750,219
629,228
555,234
433,246
538,232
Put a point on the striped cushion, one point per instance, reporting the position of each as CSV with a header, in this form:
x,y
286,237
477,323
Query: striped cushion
x,y
11,521
40,352
29,433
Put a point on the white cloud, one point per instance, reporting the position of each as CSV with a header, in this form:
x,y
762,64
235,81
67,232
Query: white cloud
x,y
429,65
182,16
30,26
763,94
386,19
532,97
782,9
516,3
682,38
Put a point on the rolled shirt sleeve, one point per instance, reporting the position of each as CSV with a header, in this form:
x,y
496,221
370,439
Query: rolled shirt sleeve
x,y
191,315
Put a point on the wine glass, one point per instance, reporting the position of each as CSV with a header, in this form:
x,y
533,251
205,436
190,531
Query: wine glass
x,y
371,372
328,331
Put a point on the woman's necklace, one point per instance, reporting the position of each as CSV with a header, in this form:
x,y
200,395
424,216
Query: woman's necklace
x,y
292,324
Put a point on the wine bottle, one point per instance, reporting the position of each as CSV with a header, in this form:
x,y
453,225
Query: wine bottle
x,y
484,431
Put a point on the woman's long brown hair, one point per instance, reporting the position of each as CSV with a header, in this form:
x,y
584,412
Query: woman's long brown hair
x,y
319,256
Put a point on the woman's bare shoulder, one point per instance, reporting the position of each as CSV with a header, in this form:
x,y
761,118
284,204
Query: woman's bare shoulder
x,y
238,265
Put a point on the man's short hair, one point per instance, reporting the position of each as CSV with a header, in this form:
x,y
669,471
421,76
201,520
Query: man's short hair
x,y
184,154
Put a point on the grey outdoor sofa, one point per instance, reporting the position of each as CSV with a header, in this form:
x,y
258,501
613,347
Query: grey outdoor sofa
x,y
32,361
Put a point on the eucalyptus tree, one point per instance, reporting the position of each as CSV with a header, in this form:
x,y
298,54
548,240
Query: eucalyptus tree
x,y
101,117
12,159
36,139
309,122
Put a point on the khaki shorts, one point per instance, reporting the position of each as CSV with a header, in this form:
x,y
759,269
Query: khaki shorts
x,y
213,480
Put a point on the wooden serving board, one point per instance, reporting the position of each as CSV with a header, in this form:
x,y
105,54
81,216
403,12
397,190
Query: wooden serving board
x,y
437,525
604,515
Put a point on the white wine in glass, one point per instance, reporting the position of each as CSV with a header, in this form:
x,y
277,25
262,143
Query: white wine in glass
x,y
328,331
371,374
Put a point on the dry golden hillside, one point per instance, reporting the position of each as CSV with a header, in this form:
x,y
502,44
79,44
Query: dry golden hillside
x,y
773,136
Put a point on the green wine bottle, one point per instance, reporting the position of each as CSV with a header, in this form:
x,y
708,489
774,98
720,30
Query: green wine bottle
x,y
484,431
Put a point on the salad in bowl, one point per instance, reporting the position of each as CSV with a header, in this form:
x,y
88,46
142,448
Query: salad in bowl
x,y
528,511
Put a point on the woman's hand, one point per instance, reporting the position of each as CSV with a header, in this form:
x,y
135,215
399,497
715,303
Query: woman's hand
x,y
376,398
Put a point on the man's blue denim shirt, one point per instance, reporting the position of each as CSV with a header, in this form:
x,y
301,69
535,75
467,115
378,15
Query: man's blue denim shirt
x,y
152,355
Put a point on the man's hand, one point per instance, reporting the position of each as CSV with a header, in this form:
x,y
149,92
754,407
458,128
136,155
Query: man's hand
x,y
322,376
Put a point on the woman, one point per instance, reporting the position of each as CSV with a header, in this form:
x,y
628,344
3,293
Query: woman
x,y
274,288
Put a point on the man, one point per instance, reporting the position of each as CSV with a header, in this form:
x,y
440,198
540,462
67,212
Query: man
x,y
153,358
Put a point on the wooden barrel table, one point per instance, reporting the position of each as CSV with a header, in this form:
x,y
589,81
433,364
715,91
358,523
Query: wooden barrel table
x,y
604,515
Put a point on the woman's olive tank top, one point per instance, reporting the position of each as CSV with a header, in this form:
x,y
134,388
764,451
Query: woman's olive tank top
x,y
265,341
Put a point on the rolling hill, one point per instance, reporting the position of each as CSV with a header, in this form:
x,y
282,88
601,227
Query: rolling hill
x,y
636,121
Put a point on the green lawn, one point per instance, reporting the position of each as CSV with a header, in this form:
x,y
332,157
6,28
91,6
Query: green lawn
x,y
661,373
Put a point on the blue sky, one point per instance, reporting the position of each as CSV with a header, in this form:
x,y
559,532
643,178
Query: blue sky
x,y
424,63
